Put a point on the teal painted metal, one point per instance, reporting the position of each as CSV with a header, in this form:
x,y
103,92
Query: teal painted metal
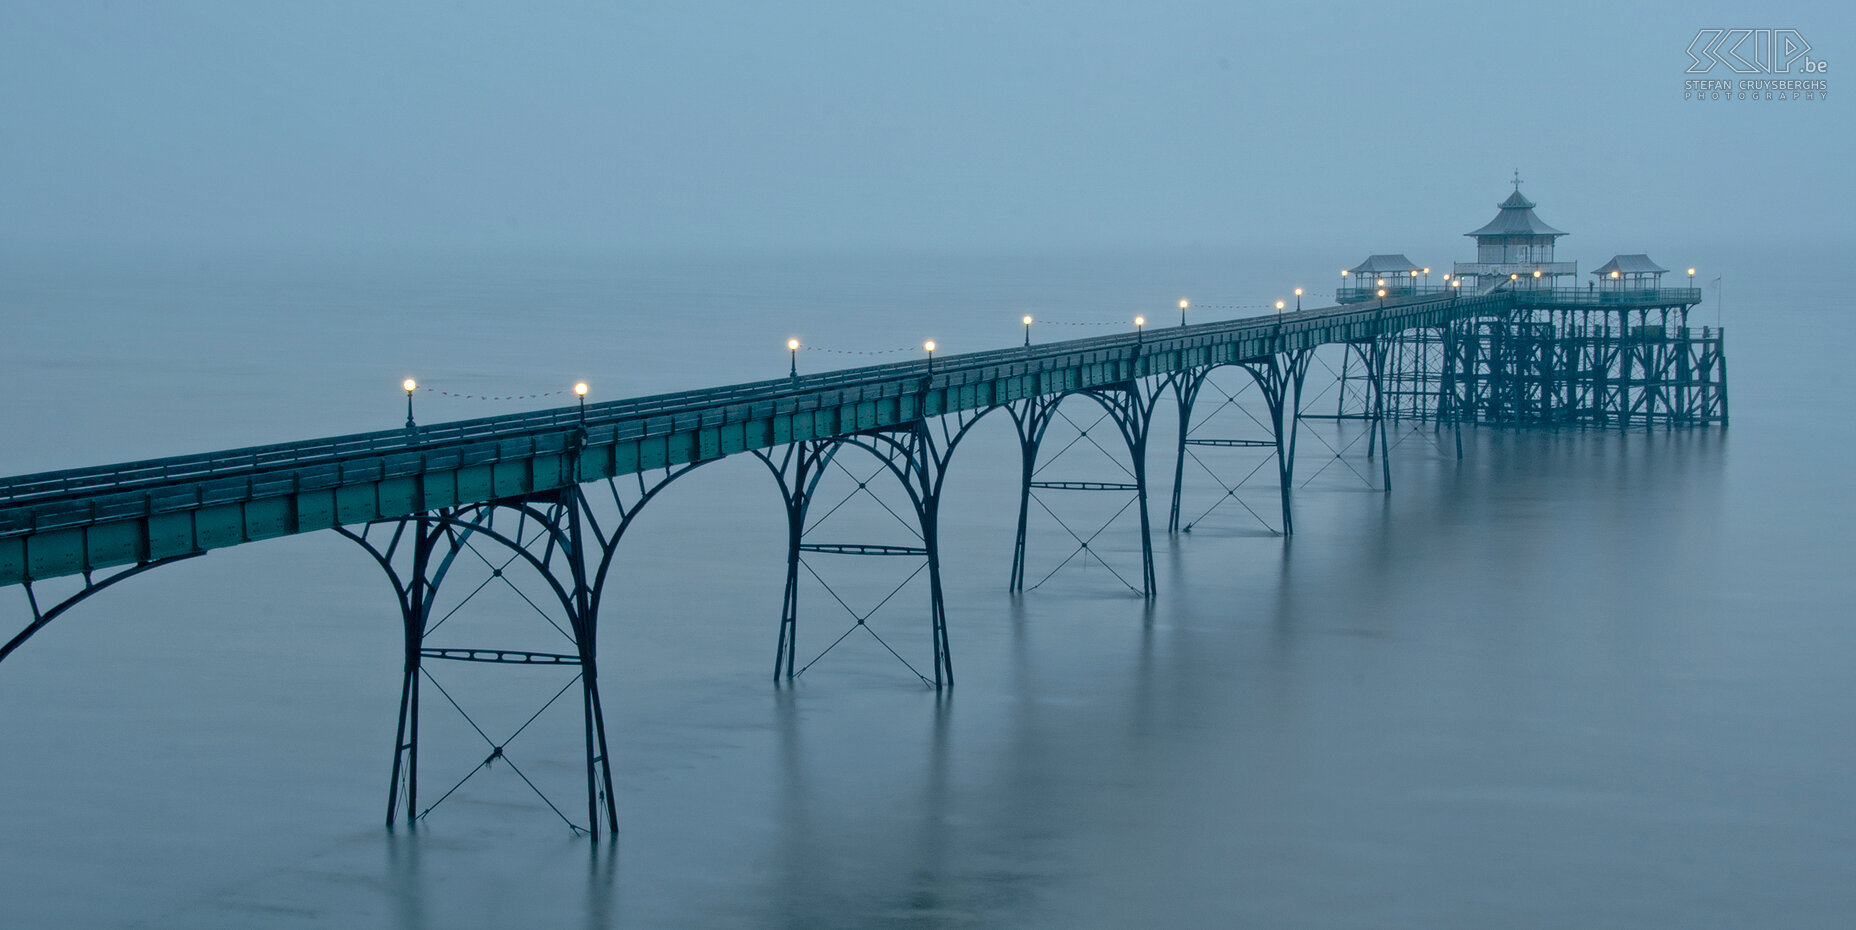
x,y
77,521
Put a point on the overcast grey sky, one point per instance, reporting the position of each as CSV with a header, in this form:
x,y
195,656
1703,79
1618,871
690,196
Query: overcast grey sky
x,y
1001,124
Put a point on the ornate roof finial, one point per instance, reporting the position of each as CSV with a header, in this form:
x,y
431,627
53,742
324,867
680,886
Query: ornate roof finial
x,y
1517,180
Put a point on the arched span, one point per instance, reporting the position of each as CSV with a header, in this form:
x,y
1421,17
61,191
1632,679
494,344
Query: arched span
x,y
917,458
1280,378
41,619
1130,405
572,552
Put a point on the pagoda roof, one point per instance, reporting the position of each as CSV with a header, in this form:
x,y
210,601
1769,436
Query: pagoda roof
x,y
1386,264
1633,263
1516,218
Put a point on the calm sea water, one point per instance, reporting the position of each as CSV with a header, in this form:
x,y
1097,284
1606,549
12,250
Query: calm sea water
x,y
1574,679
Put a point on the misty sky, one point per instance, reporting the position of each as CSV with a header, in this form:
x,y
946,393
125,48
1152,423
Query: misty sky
x,y
698,126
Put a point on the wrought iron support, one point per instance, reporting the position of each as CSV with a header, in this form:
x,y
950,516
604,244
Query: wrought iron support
x,y
43,616
414,591
916,454
1130,405
558,534
1372,354
1280,377
1030,417
1186,389
800,468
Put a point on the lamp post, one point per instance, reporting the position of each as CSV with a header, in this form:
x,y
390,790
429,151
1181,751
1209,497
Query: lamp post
x,y
1182,310
1382,298
1140,327
792,345
1279,306
410,385
1298,300
1691,284
1027,330
929,345
1427,278
1456,288
1343,283
580,390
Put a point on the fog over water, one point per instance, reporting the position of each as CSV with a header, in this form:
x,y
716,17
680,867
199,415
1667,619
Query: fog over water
x,y
1576,678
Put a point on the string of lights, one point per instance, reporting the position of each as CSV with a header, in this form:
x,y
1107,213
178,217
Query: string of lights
x,y
810,348
795,346
462,396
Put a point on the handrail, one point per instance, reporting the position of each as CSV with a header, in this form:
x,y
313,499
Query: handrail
x,y
45,487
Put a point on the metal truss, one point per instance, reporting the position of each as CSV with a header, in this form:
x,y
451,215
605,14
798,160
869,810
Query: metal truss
x,y
1370,398
1589,367
1191,442
1130,407
568,540
916,455
1279,378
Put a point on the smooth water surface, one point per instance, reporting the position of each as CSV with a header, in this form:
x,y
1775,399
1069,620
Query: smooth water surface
x,y
1574,679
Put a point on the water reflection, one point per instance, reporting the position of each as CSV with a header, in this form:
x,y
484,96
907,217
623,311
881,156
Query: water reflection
x,y
405,881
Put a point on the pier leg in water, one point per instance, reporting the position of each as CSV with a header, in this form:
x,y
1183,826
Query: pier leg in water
x,y
1129,406
558,538
916,455
1280,378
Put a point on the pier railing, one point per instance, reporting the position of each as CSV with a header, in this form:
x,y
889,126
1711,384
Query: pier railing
x,y
1599,297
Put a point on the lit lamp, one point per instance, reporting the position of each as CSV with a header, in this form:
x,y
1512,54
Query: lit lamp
x,y
1027,330
1691,277
792,345
929,345
410,385
580,389
1382,297
1182,310
1140,327
1298,300
1456,284
1279,307
1427,277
